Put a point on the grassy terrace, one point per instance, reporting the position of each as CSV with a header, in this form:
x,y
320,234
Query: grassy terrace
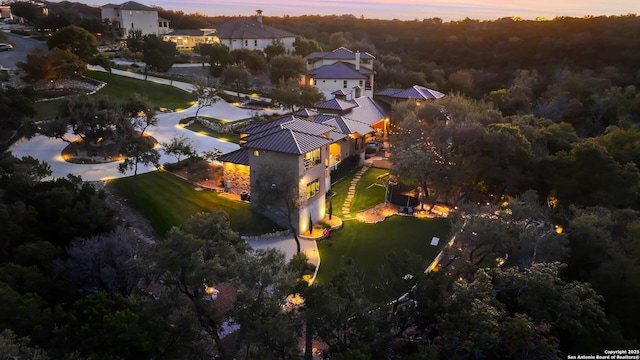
x,y
120,88
366,245
369,193
168,201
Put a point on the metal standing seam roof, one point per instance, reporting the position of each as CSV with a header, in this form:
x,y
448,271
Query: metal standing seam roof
x,y
340,70
246,28
343,124
288,141
305,113
256,128
341,92
288,122
368,111
240,156
341,53
308,127
414,92
336,104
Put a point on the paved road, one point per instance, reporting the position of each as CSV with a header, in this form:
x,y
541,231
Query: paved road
x,y
22,46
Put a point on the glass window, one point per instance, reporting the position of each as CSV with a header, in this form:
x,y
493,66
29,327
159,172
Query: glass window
x,y
313,188
312,158
344,84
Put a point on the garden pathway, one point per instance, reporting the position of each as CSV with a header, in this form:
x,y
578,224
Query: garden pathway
x,y
346,207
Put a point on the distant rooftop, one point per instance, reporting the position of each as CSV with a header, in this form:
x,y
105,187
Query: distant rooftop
x,y
247,28
130,5
341,53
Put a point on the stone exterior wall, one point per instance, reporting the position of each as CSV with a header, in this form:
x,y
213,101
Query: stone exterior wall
x,y
236,178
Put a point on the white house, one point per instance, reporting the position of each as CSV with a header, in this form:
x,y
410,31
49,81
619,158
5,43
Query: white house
x,y
247,33
133,15
341,69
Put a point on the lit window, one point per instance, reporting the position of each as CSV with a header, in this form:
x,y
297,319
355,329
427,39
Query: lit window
x,y
312,158
256,153
313,188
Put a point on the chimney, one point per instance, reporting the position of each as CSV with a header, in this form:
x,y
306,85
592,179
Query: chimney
x,y
259,16
357,60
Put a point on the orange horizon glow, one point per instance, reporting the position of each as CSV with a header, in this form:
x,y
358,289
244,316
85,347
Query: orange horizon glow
x,y
408,9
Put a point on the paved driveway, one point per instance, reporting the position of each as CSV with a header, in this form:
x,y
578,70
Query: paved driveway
x,y
22,46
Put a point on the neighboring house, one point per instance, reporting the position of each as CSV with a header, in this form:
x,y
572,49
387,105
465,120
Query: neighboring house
x,y
5,12
247,33
189,38
133,15
417,93
341,69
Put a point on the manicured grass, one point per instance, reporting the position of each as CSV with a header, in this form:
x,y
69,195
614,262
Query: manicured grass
x,y
168,201
46,110
120,88
365,246
340,189
369,193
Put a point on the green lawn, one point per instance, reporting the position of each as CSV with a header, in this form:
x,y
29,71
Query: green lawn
x,y
365,245
120,88
168,201
46,110
369,193
340,189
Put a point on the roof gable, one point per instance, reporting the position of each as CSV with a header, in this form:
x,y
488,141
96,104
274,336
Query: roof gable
x,y
288,141
341,53
339,70
240,156
130,5
414,92
336,104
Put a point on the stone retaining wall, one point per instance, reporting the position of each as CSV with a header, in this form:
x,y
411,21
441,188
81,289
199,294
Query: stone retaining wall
x,y
277,234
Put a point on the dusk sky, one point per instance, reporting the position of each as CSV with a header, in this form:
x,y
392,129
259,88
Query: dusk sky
x,y
406,9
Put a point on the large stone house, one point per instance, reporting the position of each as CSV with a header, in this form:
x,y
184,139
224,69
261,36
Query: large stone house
x,y
341,69
304,148
286,153
133,15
